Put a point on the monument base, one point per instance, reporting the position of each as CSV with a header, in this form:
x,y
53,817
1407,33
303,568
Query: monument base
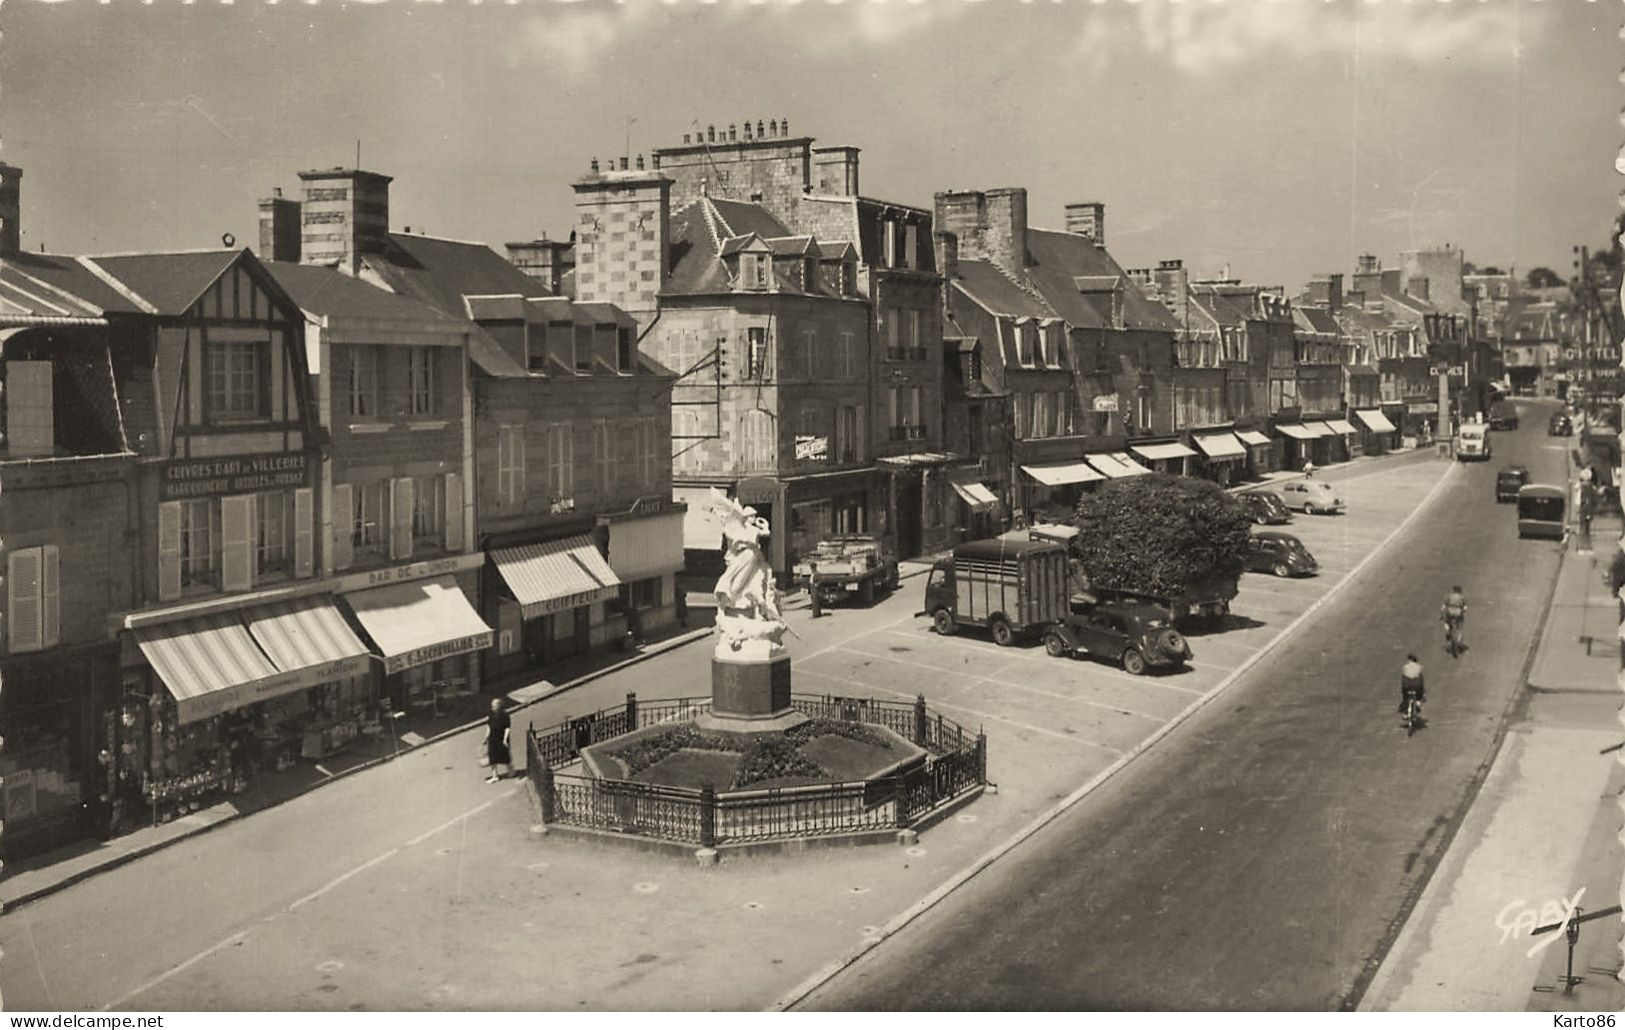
x,y
751,696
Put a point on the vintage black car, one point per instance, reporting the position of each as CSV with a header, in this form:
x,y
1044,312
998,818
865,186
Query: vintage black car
x,y
1266,507
1280,553
1560,425
1138,636
1509,481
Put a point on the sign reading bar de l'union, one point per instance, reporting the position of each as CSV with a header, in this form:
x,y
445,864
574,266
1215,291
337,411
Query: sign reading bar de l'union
x,y
237,474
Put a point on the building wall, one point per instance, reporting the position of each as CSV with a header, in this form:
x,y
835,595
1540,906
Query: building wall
x,y
622,233
894,294
773,172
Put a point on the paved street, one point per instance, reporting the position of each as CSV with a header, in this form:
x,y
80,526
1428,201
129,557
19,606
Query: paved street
x,y
1266,854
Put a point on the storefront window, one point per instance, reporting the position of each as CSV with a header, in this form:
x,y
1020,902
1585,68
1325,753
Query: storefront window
x,y
39,761
428,511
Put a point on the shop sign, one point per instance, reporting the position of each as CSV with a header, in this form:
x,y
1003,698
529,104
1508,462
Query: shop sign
x,y
812,448
1430,408
406,573
537,609
435,652
1106,402
240,474
240,695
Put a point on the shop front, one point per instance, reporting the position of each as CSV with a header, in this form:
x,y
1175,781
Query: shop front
x,y
1298,444
1053,490
555,600
646,553
819,506
979,514
1417,425
1167,456
1344,441
1116,465
1377,434
1261,456
920,506
214,701
1224,458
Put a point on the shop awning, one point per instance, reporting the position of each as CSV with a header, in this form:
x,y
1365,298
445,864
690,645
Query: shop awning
x,y
1295,431
419,622
1375,421
308,635
211,665
1117,465
1161,451
1058,475
556,576
1339,425
1319,429
1222,445
1252,438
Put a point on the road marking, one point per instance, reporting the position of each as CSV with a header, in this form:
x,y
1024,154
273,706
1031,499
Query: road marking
x,y
993,650
1115,675
363,867
989,716
453,821
798,993
235,938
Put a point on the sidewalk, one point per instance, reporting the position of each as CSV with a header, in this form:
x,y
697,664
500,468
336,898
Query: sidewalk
x,y
1543,827
38,876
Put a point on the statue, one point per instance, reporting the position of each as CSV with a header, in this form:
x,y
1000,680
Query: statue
x,y
747,604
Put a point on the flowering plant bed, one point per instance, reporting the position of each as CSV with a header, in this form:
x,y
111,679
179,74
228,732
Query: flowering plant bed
x,y
816,751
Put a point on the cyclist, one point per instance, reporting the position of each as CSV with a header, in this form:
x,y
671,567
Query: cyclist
x,y
1410,682
1453,613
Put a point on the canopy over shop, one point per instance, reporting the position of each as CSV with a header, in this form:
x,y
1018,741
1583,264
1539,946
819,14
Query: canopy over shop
x,y
1116,465
552,590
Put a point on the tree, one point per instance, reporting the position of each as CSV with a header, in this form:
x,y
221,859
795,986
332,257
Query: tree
x,y
1160,534
1542,278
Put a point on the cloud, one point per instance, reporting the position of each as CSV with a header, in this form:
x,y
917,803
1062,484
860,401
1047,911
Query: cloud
x,y
1203,37
573,37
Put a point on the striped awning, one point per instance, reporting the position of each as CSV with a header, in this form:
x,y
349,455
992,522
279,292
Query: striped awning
x,y
1295,431
308,634
1253,438
1117,465
1375,421
419,622
1343,426
556,576
211,665
1161,451
1221,445
1057,475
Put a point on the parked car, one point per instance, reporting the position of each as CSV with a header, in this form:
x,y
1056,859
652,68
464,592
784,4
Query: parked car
x,y
1540,511
1137,636
1509,481
1280,553
1503,415
1560,425
1011,587
849,566
1311,496
1266,507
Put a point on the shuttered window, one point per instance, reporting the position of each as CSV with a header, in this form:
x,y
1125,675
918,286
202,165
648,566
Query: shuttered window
x,y
453,490
198,543
237,538
304,529
343,526
561,472
603,454
33,598
510,466
369,519
400,537
272,532
429,512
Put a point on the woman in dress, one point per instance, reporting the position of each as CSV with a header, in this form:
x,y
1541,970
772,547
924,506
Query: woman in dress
x,y
497,726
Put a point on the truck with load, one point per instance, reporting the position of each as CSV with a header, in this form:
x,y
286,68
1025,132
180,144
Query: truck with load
x,y
1013,589
848,566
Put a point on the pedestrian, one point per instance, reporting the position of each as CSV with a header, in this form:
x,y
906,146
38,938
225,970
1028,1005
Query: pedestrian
x,y
497,728
682,607
813,593
1308,470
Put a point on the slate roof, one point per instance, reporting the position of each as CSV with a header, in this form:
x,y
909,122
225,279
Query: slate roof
x,y
1060,259
442,272
983,283
327,291
44,283
1315,319
740,218
170,282
703,231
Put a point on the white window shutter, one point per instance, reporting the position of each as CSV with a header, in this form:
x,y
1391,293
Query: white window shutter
x,y
454,512
400,539
343,526
169,550
304,557
237,542
50,600
23,598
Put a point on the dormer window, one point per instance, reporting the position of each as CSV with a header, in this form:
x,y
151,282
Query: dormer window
x,y
759,266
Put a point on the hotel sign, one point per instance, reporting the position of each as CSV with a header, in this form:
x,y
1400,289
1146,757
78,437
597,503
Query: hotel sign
x,y
238,474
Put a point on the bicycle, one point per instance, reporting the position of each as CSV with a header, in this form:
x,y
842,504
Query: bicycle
x,y
1452,637
1410,718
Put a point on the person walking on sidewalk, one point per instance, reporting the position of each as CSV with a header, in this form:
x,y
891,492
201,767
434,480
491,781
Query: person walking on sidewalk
x,y
1308,470
497,727
814,595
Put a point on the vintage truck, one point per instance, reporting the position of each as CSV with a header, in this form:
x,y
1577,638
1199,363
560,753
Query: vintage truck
x,y
848,566
1011,588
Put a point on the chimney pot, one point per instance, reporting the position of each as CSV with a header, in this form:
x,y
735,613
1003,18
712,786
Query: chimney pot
x,y
640,162
785,125
732,135
595,166
685,139
773,126
623,163
758,128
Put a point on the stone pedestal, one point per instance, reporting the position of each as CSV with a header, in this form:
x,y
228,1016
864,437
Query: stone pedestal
x,y
750,695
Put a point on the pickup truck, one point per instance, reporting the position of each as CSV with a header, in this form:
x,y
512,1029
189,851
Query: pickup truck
x,y
849,566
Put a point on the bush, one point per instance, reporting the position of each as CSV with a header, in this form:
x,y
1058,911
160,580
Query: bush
x,y
1160,534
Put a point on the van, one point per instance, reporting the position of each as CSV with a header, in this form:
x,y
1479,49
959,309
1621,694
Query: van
x,y
1473,442
1011,588
1540,511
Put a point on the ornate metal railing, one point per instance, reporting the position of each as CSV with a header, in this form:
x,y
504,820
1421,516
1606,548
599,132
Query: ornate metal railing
x,y
955,764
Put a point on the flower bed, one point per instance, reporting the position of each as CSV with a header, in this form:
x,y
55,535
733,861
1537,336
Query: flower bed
x,y
772,758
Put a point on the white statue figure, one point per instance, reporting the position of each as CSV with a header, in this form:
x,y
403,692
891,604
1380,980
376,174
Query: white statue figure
x,y
747,604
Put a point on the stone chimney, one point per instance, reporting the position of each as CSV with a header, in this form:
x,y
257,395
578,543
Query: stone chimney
x,y
947,246
545,261
11,211
279,228
1417,286
991,226
1087,219
345,217
1173,288
1367,263
623,240
1327,291
835,171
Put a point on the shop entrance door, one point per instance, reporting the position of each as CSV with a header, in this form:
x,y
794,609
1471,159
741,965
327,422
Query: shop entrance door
x,y
908,516
583,629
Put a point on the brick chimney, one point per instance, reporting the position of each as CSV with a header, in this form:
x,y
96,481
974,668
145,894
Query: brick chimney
x,y
1327,291
623,240
279,228
545,261
11,211
991,226
1173,288
1087,219
345,217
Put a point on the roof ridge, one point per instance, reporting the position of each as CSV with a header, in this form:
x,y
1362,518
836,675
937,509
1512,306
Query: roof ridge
x,y
713,217
1025,286
445,239
118,287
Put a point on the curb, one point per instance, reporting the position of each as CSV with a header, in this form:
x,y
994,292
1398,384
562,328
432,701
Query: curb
x,y
125,858
798,993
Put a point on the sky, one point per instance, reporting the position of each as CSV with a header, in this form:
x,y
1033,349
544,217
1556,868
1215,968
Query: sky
x,y
1280,138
